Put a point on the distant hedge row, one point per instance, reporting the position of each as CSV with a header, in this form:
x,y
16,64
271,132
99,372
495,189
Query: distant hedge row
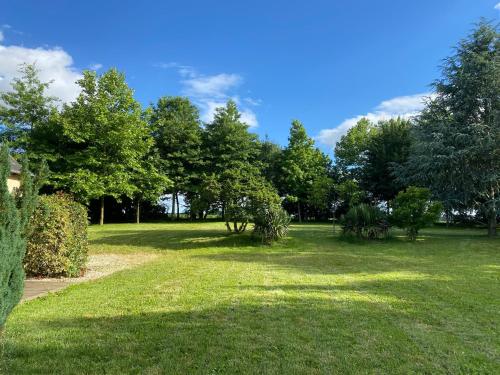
x,y
57,244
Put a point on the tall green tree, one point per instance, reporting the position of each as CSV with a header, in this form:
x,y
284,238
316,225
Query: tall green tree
x,y
302,164
26,115
386,150
350,150
106,139
457,149
15,212
269,156
177,133
231,154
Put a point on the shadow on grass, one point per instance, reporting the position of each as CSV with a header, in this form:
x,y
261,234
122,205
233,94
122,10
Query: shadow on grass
x,y
312,248
167,239
288,335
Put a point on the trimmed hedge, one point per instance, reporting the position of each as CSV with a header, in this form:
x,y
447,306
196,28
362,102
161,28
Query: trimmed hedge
x,y
57,245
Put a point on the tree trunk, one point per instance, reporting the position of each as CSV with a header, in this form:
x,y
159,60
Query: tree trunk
x,y
243,227
101,218
138,211
173,206
228,226
492,224
299,213
177,202
235,225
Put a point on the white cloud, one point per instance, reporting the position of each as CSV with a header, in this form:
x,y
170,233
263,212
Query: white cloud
x,y
215,86
401,106
95,66
249,117
54,64
209,92
497,6
208,109
1,36
183,70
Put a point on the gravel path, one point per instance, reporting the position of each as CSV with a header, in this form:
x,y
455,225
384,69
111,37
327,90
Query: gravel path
x,y
99,265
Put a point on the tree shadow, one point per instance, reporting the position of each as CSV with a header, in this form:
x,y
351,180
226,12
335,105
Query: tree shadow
x,y
303,333
310,248
183,239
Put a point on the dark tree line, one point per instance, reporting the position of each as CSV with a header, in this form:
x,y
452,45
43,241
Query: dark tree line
x,y
112,154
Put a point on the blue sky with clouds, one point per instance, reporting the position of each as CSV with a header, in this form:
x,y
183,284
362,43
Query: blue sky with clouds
x,y
326,63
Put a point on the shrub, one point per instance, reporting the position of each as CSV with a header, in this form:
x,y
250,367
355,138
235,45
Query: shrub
x,y
365,221
57,245
14,223
413,209
271,223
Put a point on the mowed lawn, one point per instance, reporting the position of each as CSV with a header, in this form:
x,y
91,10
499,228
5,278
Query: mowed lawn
x,y
214,303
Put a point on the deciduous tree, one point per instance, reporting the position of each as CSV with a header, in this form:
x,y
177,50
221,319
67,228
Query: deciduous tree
x,y
302,164
350,150
26,115
176,129
106,137
386,149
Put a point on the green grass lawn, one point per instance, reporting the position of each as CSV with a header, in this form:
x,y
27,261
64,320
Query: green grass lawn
x,y
216,303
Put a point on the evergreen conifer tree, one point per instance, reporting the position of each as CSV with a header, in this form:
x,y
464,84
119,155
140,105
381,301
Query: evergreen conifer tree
x,y
15,211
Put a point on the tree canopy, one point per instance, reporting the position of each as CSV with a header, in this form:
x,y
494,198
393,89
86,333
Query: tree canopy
x,y
176,128
456,152
106,139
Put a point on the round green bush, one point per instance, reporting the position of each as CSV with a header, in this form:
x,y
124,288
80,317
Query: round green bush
x,y
57,245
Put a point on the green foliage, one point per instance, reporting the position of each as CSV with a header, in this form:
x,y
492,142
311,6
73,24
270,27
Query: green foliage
x,y
26,111
457,150
231,158
319,193
365,221
413,210
15,213
149,182
386,149
302,164
368,155
176,128
271,223
270,155
349,193
243,194
106,137
227,143
57,245
206,196
350,151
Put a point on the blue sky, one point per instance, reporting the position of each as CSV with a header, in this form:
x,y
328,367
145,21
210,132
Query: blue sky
x,y
324,62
